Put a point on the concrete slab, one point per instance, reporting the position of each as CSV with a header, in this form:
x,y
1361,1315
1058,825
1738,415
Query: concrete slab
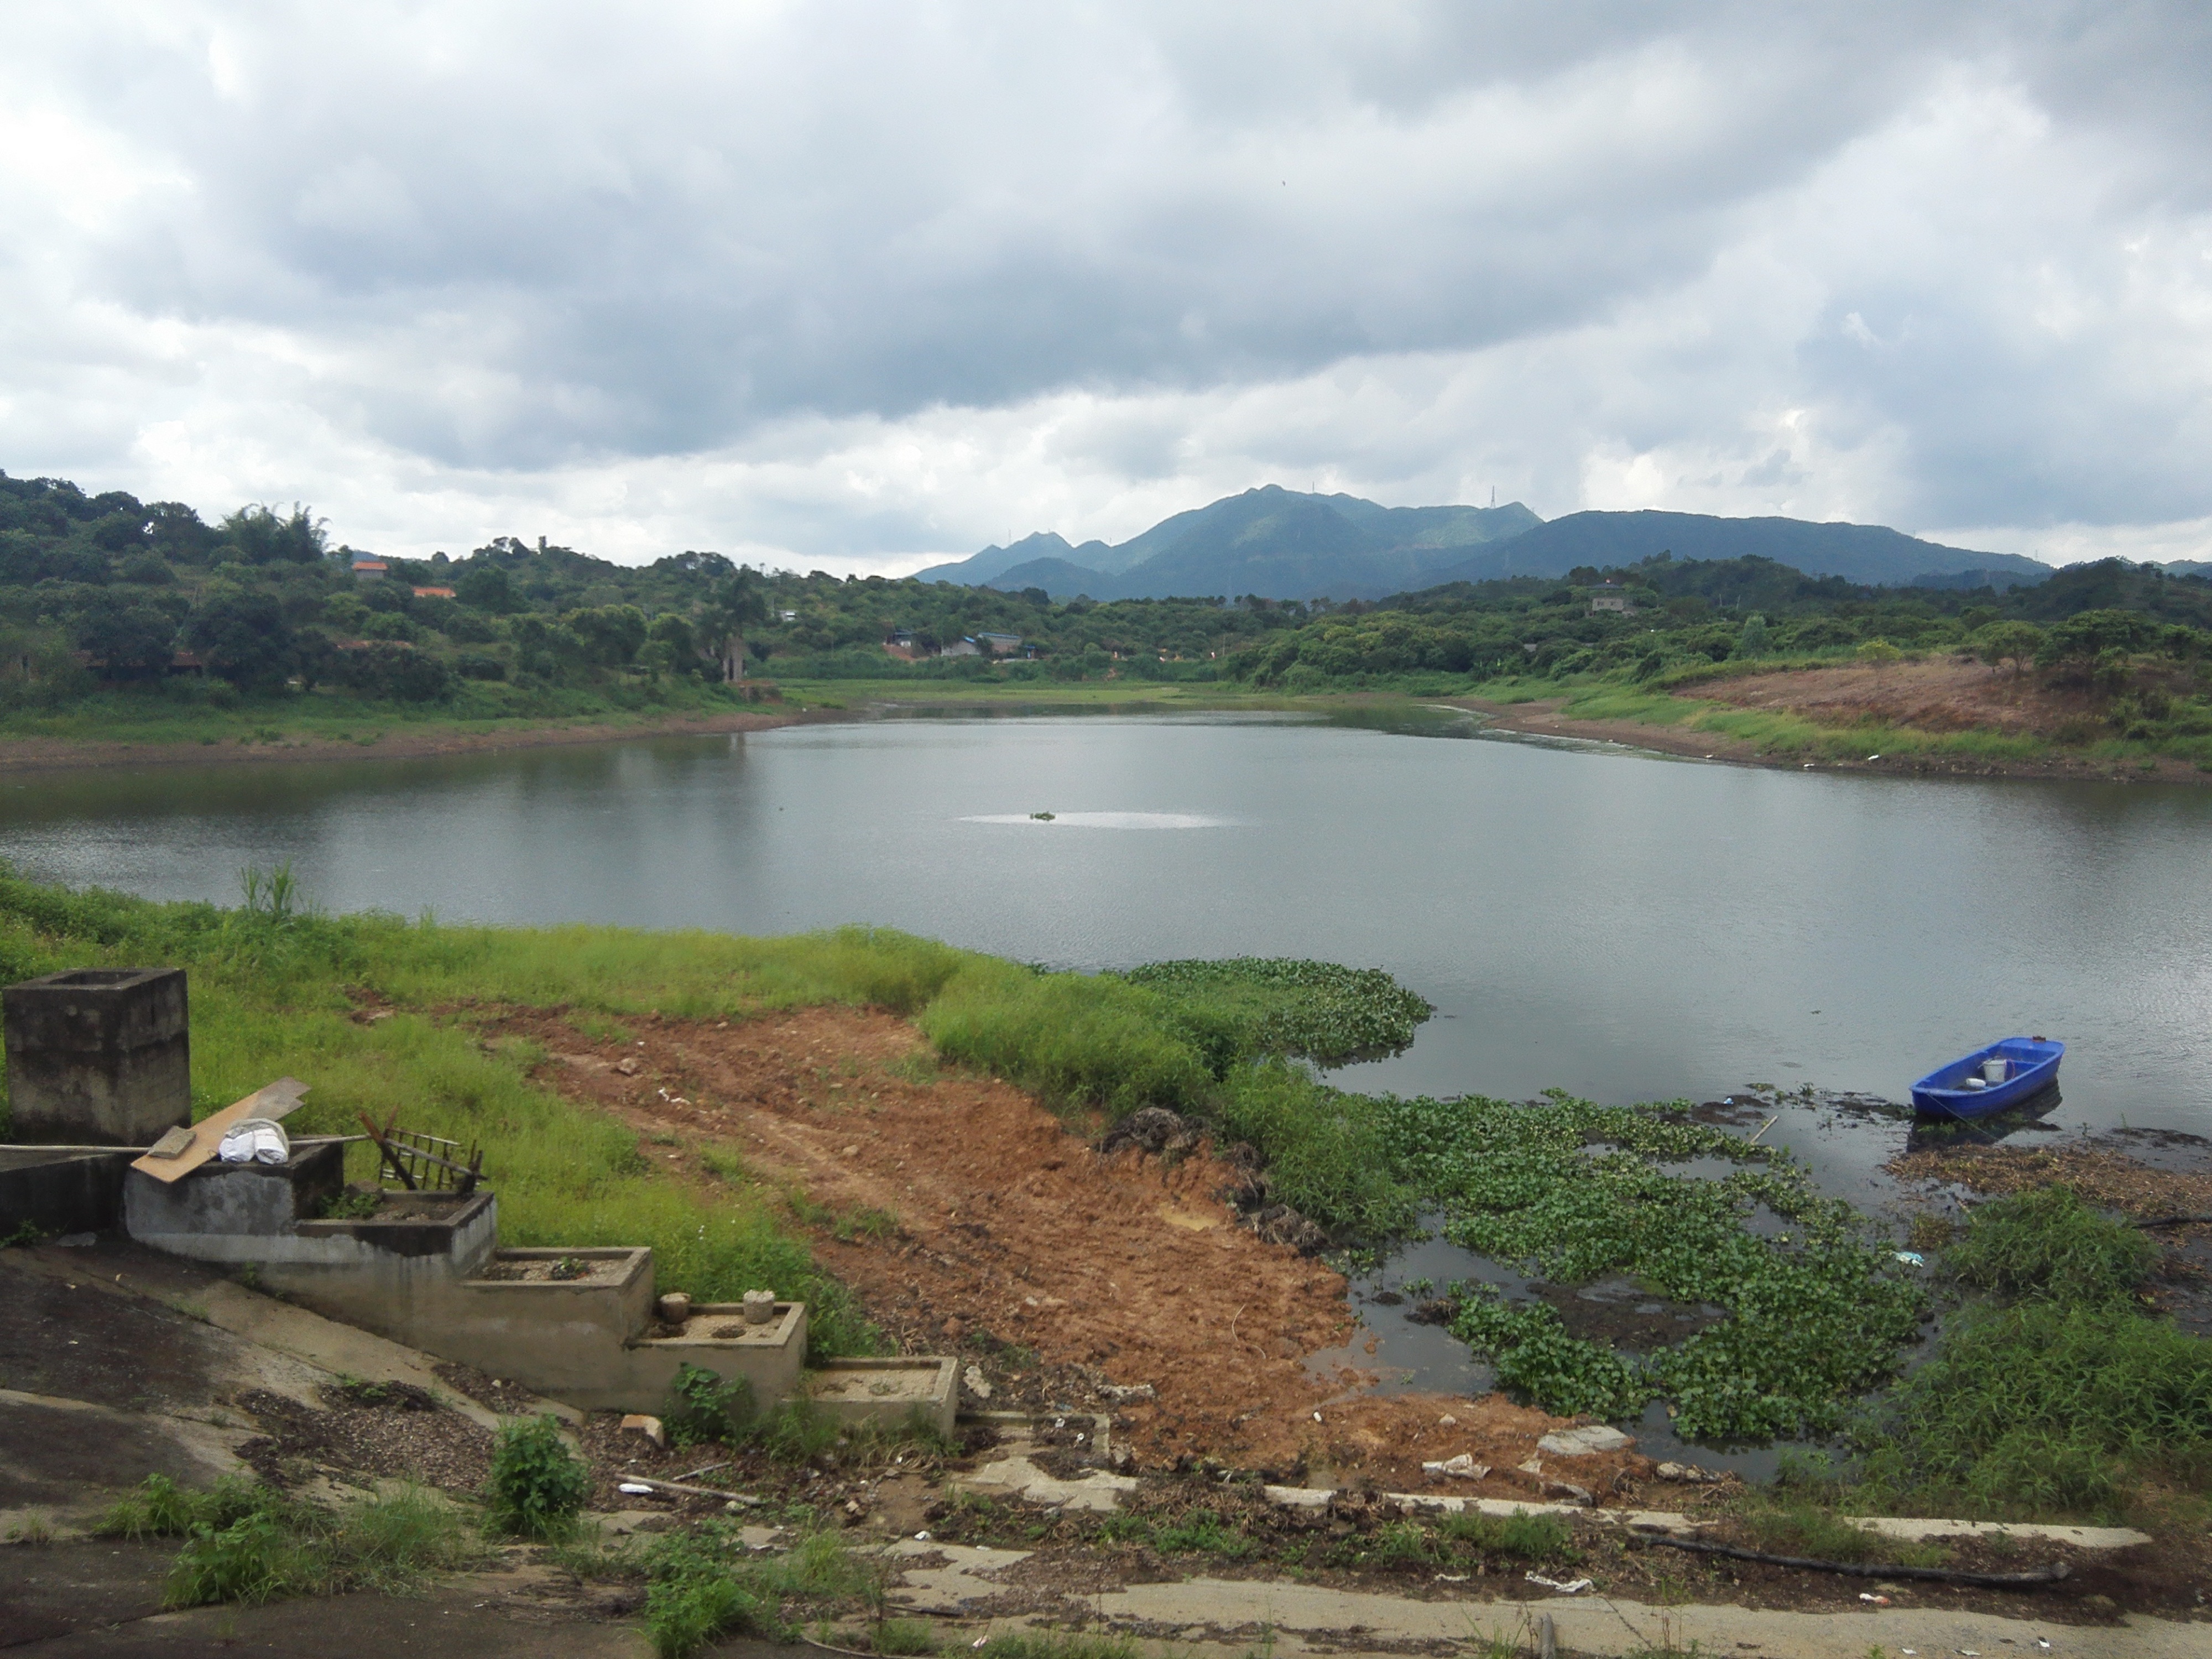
x,y
889,1392
1015,1474
944,1579
1912,1529
1909,1528
1306,1618
72,1457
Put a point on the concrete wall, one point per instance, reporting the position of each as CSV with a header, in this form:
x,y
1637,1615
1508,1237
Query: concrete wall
x,y
585,1341
59,1193
98,1056
222,1209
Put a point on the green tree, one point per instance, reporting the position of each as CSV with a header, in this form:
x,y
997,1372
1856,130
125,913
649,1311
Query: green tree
x,y
2016,643
1755,640
489,588
263,536
731,607
612,634
128,641
243,638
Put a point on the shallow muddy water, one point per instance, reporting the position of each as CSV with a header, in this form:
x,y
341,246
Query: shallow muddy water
x,y
1622,925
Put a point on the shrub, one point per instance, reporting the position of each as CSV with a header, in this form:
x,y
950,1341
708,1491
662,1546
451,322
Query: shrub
x,y
703,1408
537,1485
1326,1155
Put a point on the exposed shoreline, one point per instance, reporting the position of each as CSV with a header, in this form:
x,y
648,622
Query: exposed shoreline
x,y
1544,719
19,755
1540,719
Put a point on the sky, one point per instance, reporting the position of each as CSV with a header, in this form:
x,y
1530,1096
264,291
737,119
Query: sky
x,y
863,286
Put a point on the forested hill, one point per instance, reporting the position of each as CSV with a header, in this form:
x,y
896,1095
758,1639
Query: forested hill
x,y
1870,555
1275,543
106,595
1282,544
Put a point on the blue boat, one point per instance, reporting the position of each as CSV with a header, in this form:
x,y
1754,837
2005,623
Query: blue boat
x,y
1989,1079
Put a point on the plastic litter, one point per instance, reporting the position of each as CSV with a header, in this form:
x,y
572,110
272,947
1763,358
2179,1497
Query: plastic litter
x,y
1879,1601
634,1489
255,1140
1463,1466
1912,1258
1572,1587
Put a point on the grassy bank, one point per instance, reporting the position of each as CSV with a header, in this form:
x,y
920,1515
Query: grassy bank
x,y
212,715
276,991
2051,1392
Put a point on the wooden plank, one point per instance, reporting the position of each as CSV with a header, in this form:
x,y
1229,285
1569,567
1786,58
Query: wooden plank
x,y
273,1100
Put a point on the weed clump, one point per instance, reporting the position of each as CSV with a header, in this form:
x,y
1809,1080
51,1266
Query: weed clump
x,y
537,1484
250,1544
2057,1395
2045,1242
703,1408
706,1584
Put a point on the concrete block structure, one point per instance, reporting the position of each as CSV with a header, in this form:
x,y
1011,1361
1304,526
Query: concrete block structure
x,y
924,1390
46,1192
98,1056
574,1325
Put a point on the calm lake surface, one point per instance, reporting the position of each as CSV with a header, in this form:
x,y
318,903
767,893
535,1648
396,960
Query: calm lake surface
x,y
1621,925
1624,926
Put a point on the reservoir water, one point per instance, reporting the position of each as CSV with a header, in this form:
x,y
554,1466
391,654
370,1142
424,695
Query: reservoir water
x,y
1621,925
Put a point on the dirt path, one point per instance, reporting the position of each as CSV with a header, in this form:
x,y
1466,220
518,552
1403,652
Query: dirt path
x,y
969,1220
70,754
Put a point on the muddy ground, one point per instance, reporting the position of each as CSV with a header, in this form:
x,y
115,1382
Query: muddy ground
x,y
969,1220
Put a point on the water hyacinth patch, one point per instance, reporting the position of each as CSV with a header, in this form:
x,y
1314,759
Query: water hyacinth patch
x,y
1574,1192
1242,1006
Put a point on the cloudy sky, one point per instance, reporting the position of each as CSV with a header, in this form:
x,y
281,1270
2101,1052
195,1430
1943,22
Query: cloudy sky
x,y
862,286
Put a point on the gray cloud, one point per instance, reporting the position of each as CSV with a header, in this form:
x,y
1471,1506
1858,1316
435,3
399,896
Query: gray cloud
x,y
867,281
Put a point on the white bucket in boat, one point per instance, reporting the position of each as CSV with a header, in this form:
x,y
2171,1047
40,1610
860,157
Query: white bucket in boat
x,y
1993,1071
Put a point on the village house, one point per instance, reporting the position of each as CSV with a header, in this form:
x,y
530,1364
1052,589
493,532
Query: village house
x,y
1610,596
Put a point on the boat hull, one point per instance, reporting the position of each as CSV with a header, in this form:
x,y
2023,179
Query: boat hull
x,y
2032,1063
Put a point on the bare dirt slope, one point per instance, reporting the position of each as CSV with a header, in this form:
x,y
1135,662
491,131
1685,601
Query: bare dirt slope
x,y
1945,695
969,1220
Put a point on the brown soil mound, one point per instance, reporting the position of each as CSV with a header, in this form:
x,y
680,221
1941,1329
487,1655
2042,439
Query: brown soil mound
x,y
1945,695
968,1220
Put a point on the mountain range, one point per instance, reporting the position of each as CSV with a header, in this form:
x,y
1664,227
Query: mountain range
x,y
1288,545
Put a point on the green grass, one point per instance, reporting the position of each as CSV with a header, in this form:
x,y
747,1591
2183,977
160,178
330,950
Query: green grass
x,y
2046,1243
2055,1394
1524,1536
705,1584
274,989
1671,701
187,713
1055,1644
250,1544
